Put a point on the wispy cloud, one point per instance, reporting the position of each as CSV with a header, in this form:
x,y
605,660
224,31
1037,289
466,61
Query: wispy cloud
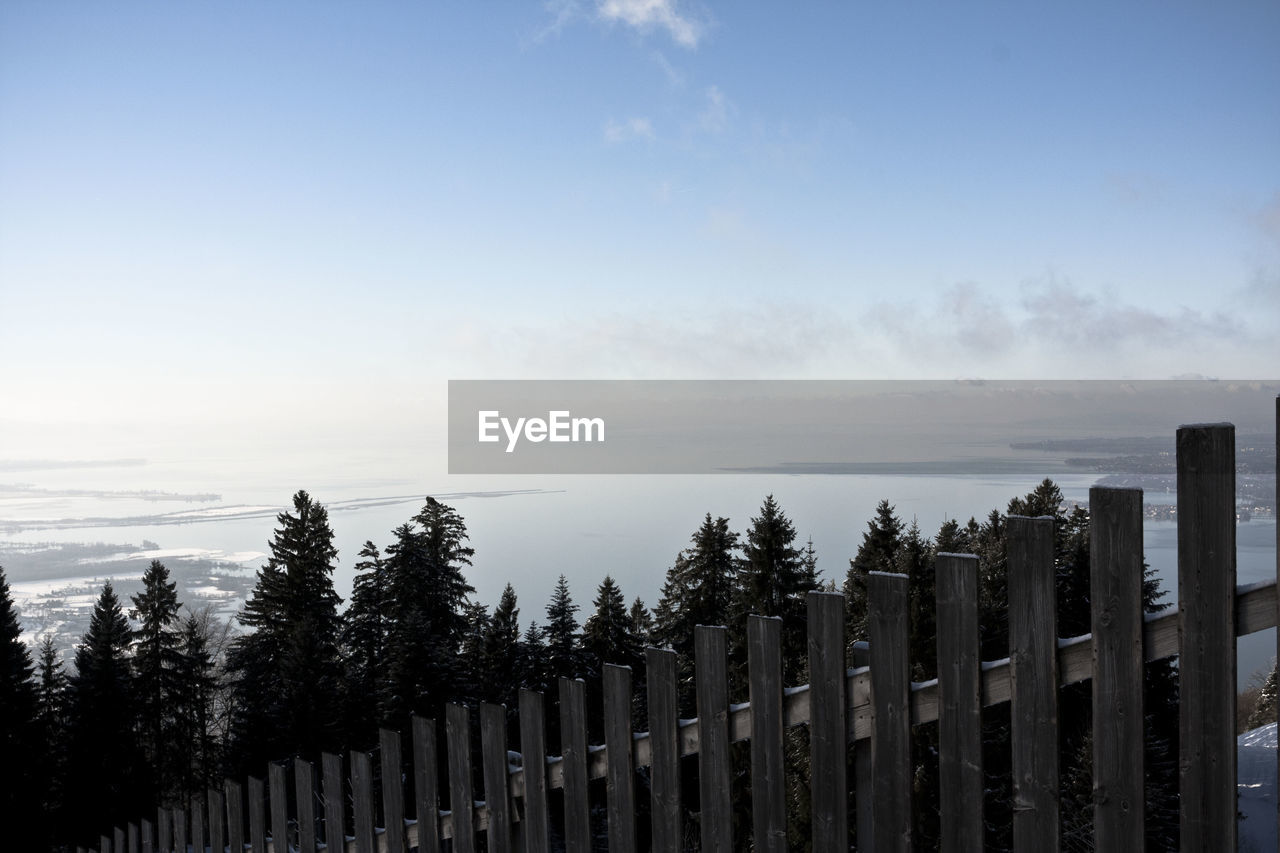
x,y
632,128
715,115
646,15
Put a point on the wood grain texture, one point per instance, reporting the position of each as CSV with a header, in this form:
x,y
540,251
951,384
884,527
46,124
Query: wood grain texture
x,y
1033,682
891,724
493,741
620,777
425,785
573,765
393,839
959,703
828,749
1206,610
714,770
664,749
457,727
533,746
1115,560
768,777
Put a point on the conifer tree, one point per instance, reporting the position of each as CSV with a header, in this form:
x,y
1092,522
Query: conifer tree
x,y
563,651
877,553
18,794
51,725
699,588
287,670
157,662
428,594
365,629
607,636
774,579
197,681
501,656
107,776
641,622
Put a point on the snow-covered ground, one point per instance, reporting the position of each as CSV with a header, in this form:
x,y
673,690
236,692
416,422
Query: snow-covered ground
x,y
1256,789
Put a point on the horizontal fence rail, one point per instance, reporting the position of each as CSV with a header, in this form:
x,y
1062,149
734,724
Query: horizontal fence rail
x,y
872,704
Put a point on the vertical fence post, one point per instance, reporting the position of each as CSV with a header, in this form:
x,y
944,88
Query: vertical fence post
x,y
620,768
257,815
714,772
768,778
497,797
457,727
118,833
1206,617
148,837
1033,676
362,794
164,823
959,703
1115,561
828,745
890,711
392,790
197,823
304,792
426,801
533,747
335,832
132,837
179,829
276,774
217,820
235,816
573,750
664,717
1277,517
863,779
104,844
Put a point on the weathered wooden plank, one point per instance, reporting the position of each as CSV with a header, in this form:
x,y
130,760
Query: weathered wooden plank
x,y
392,791
104,844
278,796
714,771
533,748
664,751
164,823
426,799
335,834
620,778
858,720
828,747
362,801
959,703
1115,560
235,815
197,822
1033,676
1276,609
573,748
1206,610
217,820
257,814
457,726
891,723
304,781
768,778
148,836
132,838
118,833
493,742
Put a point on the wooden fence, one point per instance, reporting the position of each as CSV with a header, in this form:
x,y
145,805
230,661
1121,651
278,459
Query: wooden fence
x,y
873,707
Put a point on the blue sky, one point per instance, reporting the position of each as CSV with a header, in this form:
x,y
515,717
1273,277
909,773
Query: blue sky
x,y
244,212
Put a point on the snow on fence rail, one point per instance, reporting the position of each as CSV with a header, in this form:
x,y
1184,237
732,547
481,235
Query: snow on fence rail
x,y
872,707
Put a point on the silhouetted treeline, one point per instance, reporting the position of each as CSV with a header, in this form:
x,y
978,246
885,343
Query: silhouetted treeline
x,y
158,708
